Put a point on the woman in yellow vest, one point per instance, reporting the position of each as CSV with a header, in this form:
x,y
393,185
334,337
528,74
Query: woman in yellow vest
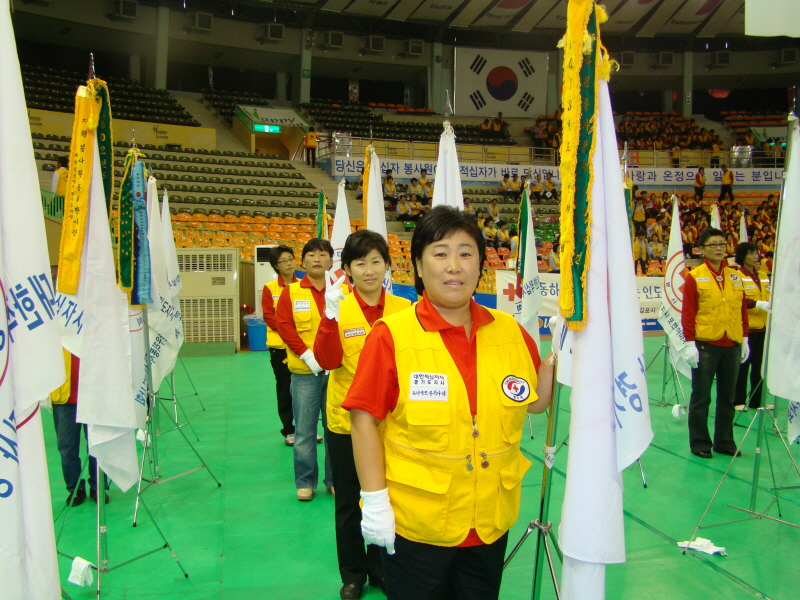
x,y
340,339
389,188
281,259
414,187
437,408
699,184
310,141
494,210
640,251
554,259
549,188
299,314
536,187
715,327
756,296
726,187
515,186
58,184
504,187
427,184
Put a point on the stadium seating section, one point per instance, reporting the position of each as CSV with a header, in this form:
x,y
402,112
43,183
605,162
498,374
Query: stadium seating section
x,y
48,88
741,121
223,103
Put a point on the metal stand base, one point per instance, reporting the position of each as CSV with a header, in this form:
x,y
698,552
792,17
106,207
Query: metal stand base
x,y
669,375
543,530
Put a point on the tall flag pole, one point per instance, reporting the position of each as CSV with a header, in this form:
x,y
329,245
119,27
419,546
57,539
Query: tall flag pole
x,y
341,230
743,227
610,422
783,342
447,185
30,352
374,213
715,220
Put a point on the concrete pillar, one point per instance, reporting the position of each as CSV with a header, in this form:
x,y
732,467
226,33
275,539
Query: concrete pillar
x,y
162,47
435,91
135,67
687,89
280,85
305,69
666,100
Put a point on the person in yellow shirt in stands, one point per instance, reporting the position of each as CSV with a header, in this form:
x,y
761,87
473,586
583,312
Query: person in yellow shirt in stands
x,y
490,233
468,208
726,187
554,259
699,184
389,188
640,251
310,141
504,187
536,187
427,184
549,190
503,235
414,187
494,210
58,184
638,214
515,186
418,209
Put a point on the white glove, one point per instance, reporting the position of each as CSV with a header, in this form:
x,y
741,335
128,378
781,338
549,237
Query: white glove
x,y
691,354
310,360
333,296
762,304
555,331
745,350
377,519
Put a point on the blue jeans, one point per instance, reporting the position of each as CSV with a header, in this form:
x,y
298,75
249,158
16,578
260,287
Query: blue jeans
x,y
68,438
309,393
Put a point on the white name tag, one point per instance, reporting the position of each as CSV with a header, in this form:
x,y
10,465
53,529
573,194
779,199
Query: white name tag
x,y
348,333
278,297
749,287
703,279
428,386
302,305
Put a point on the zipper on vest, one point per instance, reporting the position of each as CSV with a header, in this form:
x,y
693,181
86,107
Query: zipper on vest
x,y
475,432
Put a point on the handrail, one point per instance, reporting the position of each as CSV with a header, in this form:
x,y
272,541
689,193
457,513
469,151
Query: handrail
x,y
52,204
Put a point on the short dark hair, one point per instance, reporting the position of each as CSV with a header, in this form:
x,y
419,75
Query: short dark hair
x,y
276,253
361,243
709,232
63,161
315,244
438,224
742,250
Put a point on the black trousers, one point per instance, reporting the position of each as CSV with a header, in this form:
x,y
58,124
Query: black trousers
x,y
721,362
311,156
283,390
725,190
753,365
425,572
356,561
699,192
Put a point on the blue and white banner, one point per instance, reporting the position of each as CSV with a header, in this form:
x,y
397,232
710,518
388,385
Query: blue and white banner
x,y
507,81
678,177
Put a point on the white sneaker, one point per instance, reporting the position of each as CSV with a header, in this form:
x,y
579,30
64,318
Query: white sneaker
x,y
320,439
740,407
289,440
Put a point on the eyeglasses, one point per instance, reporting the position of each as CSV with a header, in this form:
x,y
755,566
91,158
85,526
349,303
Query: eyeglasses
x,y
719,245
285,261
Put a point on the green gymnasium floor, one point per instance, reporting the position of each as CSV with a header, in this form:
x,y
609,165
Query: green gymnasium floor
x,y
251,539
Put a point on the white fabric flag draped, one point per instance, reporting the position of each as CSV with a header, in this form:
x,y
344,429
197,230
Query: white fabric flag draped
x,y
376,215
31,359
447,185
173,271
528,272
743,227
341,228
783,343
105,391
669,315
772,18
715,221
610,422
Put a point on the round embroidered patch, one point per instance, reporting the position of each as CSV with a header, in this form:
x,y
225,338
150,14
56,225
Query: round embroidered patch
x,y
516,388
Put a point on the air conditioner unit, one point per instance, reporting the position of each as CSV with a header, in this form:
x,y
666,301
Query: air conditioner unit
x,y
627,59
200,21
273,32
721,59
413,47
126,9
263,273
333,39
210,294
788,56
666,59
375,43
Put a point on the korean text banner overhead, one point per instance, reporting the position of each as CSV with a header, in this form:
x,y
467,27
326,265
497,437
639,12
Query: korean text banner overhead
x,y
492,81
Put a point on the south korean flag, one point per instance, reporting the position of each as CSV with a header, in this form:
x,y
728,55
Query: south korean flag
x,y
492,81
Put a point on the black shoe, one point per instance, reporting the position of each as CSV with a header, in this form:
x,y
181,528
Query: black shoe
x,y
735,453
702,453
379,584
93,496
350,591
76,497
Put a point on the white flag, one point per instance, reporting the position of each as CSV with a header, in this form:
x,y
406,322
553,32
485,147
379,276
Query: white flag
x,y
31,358
772,18
669,315
447,186
376,215
341,228
715,222
783,343
106,399
528,270
170,252
743,227
610,423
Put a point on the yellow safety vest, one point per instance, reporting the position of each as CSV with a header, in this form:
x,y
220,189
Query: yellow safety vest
x,y
353,331
719,312
273,339
389,188
504,185
756,316
514,185
536,186
446,472
61,394
415,189
306,322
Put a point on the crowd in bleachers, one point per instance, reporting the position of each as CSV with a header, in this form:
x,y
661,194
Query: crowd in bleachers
x,y
665,131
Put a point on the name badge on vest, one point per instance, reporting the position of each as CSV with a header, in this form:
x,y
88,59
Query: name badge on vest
x,y
348,333
278,297
749,287
703,279
302,305
428,386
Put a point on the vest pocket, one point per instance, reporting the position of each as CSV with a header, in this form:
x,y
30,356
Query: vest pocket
x,y
302,320
419,497
509,491
428,424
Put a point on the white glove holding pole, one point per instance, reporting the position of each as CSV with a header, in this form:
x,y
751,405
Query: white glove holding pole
x,y
555,331
763,305
333,295
691,354
310,360
745,350
377,519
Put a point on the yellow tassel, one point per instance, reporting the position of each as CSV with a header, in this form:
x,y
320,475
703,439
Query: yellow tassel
x,y
602,14
586,43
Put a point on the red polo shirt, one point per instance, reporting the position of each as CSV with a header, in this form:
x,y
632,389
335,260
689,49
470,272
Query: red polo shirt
x,y
328,344
285,316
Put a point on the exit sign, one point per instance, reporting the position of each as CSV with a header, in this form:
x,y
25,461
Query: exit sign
x,y
258,127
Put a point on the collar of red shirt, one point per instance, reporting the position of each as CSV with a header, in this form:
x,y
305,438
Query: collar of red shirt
x,y
722,266
305,282
431,320
282,283
363,304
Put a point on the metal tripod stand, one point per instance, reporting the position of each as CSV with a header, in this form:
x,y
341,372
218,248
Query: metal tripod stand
x,y
176,401
669,374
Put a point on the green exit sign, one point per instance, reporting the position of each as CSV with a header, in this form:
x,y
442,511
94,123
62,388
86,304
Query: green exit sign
x,y
258,127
